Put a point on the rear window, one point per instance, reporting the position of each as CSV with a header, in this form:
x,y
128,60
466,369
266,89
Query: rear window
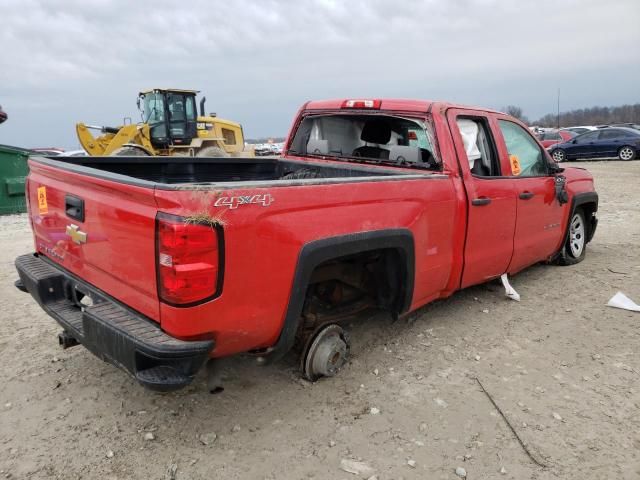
x,y
369,137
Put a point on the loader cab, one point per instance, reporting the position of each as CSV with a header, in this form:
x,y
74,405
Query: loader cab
x,y
171,116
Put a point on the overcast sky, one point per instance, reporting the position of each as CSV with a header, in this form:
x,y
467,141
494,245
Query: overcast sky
x,y
257,61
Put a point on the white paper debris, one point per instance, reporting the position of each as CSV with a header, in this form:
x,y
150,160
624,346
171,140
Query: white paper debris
x,y
509,291
620,300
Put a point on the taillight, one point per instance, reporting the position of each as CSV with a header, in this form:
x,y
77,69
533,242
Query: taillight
x,y
374,104
188,260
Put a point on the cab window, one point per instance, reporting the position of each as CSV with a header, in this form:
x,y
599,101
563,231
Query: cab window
x,y
478,146
525,156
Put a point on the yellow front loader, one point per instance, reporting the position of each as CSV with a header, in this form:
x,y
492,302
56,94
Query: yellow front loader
x,y
170,126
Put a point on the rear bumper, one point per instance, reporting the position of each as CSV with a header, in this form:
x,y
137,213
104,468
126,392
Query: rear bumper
x,y
111,331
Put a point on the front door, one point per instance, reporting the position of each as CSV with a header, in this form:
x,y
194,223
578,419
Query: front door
x,y
585,145
541,220
490,198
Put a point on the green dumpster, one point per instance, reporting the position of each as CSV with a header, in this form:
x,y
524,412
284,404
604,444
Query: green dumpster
x,y
13,170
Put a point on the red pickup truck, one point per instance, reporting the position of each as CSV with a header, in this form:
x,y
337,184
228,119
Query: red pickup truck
x,y
159,264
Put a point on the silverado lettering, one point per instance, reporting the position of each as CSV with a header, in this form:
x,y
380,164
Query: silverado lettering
x,y
382,205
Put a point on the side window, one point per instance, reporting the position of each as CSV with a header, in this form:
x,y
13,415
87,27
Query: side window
x,y
587,137
479,146
191,108
607,134
552,136
229,136
525,156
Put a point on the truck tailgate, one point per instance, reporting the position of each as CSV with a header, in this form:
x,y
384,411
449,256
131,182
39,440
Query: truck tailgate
x,y
101,230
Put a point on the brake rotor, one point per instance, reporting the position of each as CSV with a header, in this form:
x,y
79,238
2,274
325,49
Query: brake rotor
x,y
327,353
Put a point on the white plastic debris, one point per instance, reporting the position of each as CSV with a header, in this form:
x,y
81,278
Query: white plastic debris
x,y
509,291
357,468
620,300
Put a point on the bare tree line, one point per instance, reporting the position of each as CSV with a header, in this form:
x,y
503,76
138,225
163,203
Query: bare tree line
x,y
583,116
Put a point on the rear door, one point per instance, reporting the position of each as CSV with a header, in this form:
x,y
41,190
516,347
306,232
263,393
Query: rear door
x,y
97,228
540,217
491,198
609,141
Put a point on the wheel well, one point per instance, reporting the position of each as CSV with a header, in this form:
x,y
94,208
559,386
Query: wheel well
x,y
339,250
345,287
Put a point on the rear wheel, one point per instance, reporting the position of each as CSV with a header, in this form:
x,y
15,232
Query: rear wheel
x,y
575,245
626,153
559,155
212,152
129,152
327,353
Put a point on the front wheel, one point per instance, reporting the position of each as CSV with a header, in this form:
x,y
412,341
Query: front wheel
x,y
575,245
559,155
626,153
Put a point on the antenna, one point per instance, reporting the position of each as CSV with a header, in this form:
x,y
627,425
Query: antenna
x,y
558,108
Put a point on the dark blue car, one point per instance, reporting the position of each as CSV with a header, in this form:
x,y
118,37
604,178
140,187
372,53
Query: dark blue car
x,y
620,142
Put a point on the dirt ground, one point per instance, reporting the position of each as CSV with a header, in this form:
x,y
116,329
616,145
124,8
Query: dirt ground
x,y
562,366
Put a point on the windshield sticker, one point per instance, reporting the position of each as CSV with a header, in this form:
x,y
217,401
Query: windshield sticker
x,y
234,202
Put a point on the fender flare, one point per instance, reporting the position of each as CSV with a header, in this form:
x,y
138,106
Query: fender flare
x,y
580,199
316,252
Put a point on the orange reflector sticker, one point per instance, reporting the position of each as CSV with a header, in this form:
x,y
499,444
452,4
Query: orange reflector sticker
x,y
515,164
42,200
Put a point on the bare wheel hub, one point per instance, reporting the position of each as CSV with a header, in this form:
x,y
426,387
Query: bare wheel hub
x,y
327,353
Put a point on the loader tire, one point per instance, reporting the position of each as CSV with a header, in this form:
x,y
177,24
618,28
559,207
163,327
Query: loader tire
x,y
212,152
129,152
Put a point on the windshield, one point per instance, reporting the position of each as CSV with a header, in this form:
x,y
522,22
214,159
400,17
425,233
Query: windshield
x,y
382,138
153,108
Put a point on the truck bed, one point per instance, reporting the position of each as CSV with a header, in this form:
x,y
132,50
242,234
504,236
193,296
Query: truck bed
x,y
192,170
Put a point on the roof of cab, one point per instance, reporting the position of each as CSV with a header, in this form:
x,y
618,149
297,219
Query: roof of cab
x,y
179,90
406,105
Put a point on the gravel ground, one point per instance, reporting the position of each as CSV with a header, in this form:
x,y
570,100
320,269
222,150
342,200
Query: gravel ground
x,y
562,366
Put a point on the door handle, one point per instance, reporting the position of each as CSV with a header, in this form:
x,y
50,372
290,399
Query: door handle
x,y
74,207
481,201
526,195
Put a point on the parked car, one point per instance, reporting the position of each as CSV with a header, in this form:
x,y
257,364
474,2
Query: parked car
x,y
552,137
581,129
74,153
375,206
621,142
629,125
48,151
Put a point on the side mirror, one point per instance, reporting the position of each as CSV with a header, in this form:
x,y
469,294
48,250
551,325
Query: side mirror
x,y
574,141
554,168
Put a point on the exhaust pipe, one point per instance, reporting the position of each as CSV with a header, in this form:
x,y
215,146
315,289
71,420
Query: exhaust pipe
x,y
202,106
66,341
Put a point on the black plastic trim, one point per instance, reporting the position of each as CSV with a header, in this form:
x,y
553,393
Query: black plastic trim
x,y
74,207
314,253
221,257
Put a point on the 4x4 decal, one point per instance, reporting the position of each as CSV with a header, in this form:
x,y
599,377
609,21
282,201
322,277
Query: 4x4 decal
x,y
234,202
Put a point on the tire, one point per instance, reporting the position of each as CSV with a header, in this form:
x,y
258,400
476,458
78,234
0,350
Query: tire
x,y
303,173
129,152
559,155
212,152
626,153
574,248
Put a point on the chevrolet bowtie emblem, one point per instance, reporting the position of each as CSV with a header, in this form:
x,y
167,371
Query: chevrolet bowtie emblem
x,y
77,235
